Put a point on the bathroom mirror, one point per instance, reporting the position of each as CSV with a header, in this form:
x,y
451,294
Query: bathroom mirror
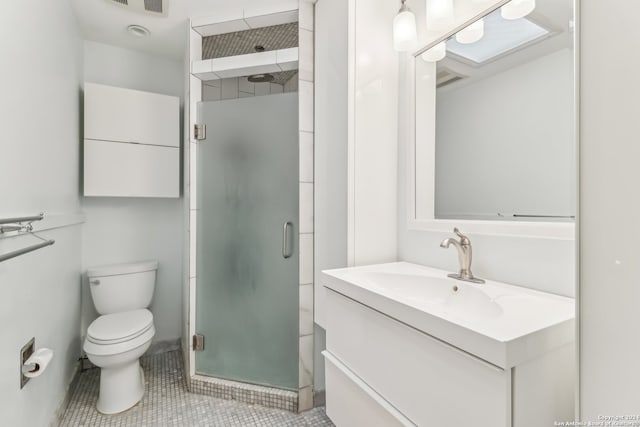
x,y
495,137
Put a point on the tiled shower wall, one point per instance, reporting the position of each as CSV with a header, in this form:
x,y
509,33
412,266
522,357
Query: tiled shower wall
x,y
306,126
240,87
228,89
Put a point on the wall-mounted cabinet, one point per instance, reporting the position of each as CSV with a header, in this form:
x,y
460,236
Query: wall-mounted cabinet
x,y
131,143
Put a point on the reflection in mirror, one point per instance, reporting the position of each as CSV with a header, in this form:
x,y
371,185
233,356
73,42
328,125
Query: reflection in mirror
x,y
504,118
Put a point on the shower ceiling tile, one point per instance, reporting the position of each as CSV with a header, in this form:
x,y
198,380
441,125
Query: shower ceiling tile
x,y
243,42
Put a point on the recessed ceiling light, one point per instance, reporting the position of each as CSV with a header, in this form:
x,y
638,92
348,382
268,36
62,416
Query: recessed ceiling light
x,y
138,31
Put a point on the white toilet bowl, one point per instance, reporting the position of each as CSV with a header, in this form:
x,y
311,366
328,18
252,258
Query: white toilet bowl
x,y
115,343
116,340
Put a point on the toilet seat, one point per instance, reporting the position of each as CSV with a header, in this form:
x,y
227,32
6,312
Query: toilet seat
x,y
119,327
119,332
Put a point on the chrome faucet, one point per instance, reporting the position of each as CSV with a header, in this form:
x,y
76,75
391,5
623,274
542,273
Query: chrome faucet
x,y
464,257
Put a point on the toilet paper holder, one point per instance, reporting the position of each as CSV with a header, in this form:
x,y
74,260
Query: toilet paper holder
x,y
33,362
25,352
31,367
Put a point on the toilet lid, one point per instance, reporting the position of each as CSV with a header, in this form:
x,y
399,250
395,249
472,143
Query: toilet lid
x,y
119,327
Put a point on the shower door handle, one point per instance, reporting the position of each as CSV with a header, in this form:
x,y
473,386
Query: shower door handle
x,y
285,239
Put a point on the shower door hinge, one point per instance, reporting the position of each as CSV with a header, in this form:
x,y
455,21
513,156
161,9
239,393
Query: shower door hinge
x,y
199,132
198,342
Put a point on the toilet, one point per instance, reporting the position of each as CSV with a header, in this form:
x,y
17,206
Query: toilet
x,y
117,339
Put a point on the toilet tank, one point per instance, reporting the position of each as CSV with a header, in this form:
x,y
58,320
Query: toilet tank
x,y
122,287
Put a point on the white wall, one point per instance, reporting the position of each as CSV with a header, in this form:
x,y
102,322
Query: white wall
x,y
40,82
515,153
373,132
609,209
131,229
330,157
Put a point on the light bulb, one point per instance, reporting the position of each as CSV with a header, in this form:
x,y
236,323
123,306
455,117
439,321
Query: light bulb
x,y
439,15
436,53
404,29
517,9
472,33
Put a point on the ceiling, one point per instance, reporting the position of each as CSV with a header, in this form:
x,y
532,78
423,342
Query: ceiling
x,y
106,22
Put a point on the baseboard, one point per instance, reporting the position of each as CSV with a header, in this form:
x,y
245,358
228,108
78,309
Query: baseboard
x,y
319,398
58,415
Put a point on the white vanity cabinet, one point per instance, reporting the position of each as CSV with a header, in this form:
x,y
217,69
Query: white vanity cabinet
x,y
381,364
131,143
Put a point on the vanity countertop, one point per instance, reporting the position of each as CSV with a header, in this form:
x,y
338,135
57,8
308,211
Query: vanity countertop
x,y
503,324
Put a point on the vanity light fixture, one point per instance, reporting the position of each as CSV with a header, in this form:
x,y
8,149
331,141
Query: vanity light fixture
x,y
472,33
436,53
517,9
439,14
405,35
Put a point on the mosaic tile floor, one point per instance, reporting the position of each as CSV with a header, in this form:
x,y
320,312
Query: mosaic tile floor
x,y
168,403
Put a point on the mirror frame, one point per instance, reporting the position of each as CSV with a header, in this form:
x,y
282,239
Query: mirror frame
x,y
425,203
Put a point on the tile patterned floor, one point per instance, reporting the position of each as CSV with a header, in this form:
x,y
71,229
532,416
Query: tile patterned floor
x,y
168,403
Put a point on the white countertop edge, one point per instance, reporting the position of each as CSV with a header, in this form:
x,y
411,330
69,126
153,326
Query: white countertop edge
x,y
504,354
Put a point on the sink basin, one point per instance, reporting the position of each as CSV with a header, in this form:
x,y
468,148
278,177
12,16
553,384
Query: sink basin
x,y
500,323
443,295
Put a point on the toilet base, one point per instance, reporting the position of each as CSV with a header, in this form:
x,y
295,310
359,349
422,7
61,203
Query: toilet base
x,y
121,387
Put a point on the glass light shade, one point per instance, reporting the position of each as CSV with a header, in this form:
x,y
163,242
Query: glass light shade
x,y
472,33
517,9
436,53
439,15
404,31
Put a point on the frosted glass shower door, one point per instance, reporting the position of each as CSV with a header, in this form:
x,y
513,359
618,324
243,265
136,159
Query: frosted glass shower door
x,y
247,253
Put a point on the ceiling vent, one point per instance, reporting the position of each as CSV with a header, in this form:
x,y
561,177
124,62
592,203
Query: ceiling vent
x,y
445,77
149,7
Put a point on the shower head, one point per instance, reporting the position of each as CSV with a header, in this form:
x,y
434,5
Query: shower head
x,y
261,78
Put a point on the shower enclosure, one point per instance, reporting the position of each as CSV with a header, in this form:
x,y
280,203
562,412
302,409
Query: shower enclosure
x,y
250,185
247,245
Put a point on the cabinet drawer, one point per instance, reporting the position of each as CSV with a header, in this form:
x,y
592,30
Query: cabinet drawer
x,y
428,381
351,403
125,115
130,170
